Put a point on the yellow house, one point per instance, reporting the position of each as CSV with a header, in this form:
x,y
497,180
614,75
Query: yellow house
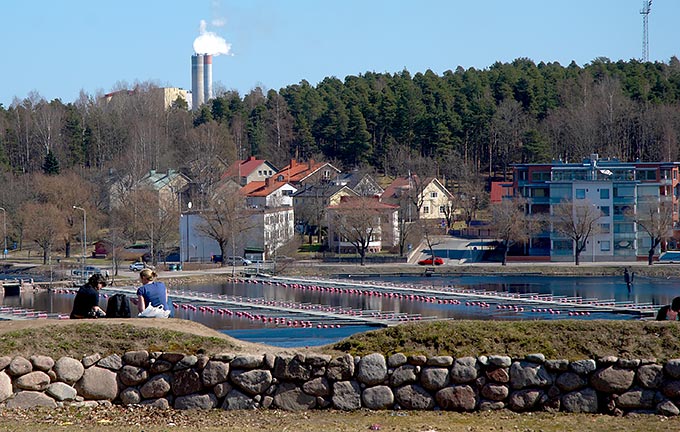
x,y
426,198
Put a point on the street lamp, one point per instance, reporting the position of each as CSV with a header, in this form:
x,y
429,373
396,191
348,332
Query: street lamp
x,y
189,205
84,238
4,231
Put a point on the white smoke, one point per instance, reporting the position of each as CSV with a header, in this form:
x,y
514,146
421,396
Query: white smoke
x,y
210,43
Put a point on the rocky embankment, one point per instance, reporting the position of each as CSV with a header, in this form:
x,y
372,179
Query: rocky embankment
x,y
316,381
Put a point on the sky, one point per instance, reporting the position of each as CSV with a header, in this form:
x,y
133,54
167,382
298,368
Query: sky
x,y
59,48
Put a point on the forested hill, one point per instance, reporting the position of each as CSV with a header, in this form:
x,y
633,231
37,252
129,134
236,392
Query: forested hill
x,y
507,113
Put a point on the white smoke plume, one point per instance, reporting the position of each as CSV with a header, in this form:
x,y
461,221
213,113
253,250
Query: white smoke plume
x,y
210,43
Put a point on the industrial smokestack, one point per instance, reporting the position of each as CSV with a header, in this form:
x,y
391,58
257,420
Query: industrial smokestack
x,y
197,83
207,78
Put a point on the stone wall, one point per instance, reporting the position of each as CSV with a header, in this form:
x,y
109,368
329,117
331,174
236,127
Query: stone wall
x,y
300,382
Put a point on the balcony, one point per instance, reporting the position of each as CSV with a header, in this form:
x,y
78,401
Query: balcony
x,y
624,200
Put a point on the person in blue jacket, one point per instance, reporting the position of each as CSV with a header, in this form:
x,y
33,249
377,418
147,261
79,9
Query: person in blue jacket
x,y
152,292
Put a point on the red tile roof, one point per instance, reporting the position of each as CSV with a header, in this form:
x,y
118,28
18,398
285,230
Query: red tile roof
x,y
261,188
298,171
246,167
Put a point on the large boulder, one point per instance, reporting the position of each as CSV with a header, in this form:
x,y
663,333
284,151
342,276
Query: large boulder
x,y
290,397
414,397
612,379
31,399
378,397
525,374
253,382
372,369
98,384
346,395
68,370
457,398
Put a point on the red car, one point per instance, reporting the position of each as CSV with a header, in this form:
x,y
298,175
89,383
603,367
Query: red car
x,y
429,261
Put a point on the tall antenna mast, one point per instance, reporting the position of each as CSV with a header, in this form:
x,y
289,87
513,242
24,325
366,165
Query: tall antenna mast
x,y
646,9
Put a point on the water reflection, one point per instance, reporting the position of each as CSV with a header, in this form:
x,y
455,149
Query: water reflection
x,y
644,290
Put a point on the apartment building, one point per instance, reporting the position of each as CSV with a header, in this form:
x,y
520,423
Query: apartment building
x,y
619,190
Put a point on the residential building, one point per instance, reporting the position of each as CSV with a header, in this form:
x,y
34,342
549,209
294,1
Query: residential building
x,y
618,189
170,186
310,205
163,96
367,215
361,184
268,193
428,196
268,230
250,170
307,173
500,190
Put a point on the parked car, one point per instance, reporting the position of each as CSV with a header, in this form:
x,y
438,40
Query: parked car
x,y
238,261
87,271
669,257
139,266
431,261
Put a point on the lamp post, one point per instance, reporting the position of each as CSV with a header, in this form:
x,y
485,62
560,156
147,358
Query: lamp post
x,y
189,205
4,232
84,238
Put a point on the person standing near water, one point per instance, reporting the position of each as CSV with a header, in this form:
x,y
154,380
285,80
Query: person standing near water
x,y
628,278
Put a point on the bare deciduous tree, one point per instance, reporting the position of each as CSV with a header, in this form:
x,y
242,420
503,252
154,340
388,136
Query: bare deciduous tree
x,y
44,224
576,221
225,219
511,223
358,220
655,219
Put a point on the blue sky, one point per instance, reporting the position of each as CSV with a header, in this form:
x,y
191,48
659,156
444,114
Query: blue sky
x,y
58,48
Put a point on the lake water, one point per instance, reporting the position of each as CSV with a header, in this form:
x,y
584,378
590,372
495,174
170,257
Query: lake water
x,y
643,290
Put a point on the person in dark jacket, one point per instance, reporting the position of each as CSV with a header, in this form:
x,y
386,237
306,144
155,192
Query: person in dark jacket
x,y
86,303
669,312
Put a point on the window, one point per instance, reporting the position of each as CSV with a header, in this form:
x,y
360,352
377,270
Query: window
x,y
580,193
562,244
624,191
604,210
646,174
605,228
426,210
624,228
540,176
442,210
433,195
604,194
605,245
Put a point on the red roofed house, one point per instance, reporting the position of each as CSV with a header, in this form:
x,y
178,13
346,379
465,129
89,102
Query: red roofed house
x,y
362,224
268,194
249,170
299,173
428,195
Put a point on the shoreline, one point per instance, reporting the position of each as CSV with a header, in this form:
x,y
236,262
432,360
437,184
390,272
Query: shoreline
x,y
318,269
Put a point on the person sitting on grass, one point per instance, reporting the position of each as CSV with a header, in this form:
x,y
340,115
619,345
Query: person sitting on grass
x,y
86,303
669,312
152,292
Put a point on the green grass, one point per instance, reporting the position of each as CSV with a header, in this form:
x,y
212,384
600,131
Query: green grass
x,y
563,339
87,338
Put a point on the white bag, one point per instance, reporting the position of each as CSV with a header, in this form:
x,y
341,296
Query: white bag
x,y
154,312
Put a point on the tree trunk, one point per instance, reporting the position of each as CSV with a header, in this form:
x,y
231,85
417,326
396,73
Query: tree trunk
x,y
650,256
576,258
